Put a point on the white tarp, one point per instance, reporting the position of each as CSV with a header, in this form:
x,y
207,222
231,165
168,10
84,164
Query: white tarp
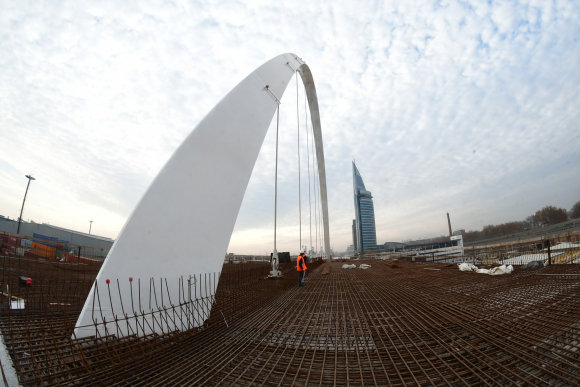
x,y
467,267
503,269
364,266
345,266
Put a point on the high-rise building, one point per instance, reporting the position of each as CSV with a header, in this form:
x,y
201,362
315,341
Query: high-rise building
x,y
354,238
366,233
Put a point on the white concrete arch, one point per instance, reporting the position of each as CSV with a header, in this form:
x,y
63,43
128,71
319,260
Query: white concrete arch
x,y
183,223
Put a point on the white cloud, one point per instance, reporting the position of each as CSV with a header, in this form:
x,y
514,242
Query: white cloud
x,y
95,96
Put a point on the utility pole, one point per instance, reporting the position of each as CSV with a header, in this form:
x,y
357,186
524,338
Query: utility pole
x,y
90,226
29,177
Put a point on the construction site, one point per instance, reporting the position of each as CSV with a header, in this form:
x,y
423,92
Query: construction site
x,y
395,323
162,305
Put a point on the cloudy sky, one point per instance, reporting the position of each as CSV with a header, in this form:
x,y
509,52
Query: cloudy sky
x,y
469,107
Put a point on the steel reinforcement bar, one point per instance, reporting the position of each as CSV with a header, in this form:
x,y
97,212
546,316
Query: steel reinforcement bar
x,y
397,323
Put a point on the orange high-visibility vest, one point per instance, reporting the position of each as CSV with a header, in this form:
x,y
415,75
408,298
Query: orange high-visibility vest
x,y
299,261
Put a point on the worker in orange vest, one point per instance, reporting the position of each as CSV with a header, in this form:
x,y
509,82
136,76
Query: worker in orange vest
x,y
301,267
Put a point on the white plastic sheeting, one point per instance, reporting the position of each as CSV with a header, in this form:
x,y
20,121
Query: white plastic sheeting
x,y
467,267
364,266
348,266
503,269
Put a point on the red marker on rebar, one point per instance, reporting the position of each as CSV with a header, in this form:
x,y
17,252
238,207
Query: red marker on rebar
x,y
107,281
29,281
130,279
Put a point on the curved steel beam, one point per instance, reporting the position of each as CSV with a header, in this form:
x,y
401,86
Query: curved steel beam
x,y
183,223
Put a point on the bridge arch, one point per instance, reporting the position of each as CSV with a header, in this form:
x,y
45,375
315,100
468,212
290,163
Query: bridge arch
x,y
183,223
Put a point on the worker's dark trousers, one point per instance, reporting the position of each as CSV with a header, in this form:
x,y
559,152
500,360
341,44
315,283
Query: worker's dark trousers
x,y
301,275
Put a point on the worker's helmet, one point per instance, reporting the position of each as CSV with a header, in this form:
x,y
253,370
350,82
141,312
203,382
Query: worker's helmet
x,y
302,251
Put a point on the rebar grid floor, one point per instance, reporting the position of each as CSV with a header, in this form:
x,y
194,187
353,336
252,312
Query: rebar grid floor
x,y
417,324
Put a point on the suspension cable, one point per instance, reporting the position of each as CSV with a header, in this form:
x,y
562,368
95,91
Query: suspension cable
x,y
317,198
299,188
320,221
320,217
308,158
276,176
314,165
315,201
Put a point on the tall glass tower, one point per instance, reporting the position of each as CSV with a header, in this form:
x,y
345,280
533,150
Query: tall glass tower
x,y
366,232
354,237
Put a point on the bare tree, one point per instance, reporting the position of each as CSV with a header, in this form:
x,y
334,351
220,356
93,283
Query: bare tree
x,y
531,222
575,211
545,217
550,215
494,231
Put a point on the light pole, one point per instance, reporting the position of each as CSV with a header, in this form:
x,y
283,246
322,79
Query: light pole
x,y
29,177
90,226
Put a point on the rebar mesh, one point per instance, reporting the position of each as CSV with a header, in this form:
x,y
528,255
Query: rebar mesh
x,y
395,324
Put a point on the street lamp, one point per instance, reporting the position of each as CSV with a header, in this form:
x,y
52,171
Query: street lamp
x,y
29,177
90,226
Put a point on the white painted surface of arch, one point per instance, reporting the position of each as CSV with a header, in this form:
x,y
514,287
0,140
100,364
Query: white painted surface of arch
x,y
183,223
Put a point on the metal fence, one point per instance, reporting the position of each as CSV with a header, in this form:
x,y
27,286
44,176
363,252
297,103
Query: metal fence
x,y
556,250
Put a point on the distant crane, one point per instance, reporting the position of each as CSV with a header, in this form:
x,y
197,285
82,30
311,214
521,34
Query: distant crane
x,y
449,223
29,177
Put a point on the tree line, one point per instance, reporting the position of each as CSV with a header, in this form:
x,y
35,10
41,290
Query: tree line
x,y
547,216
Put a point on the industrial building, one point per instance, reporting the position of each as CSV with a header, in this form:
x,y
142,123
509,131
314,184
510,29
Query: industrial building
x,y
62,235
451,247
